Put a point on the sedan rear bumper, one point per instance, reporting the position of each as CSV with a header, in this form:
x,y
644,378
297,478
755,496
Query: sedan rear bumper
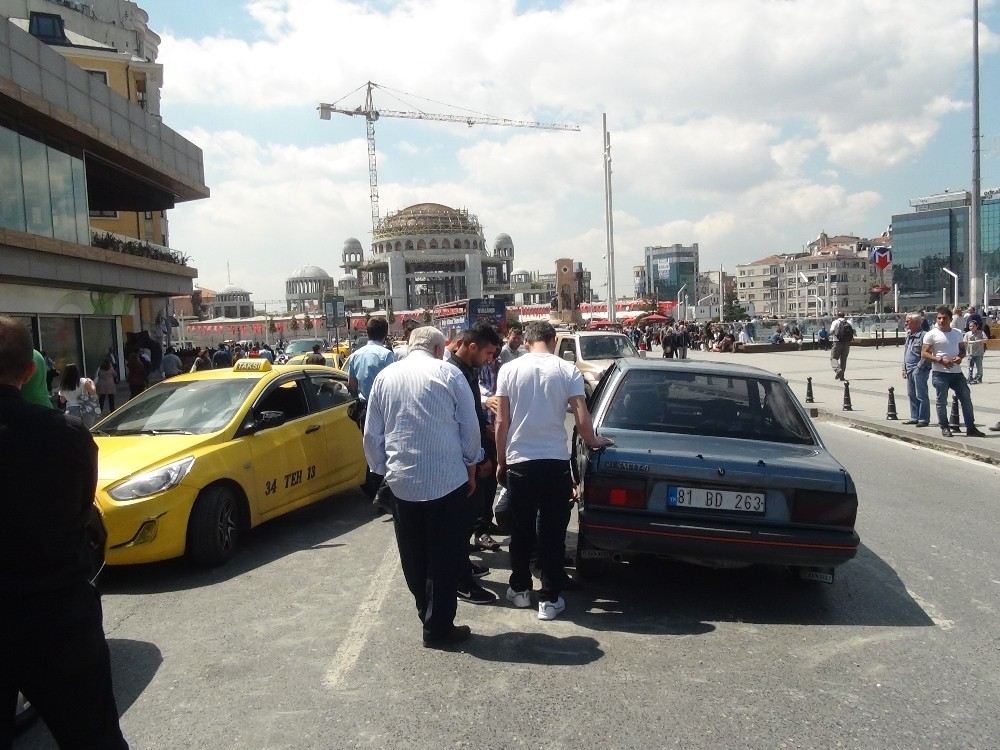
x,y
697,539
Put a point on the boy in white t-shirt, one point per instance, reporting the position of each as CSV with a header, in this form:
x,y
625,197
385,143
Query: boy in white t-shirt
x,y
944,348
533,461
975,345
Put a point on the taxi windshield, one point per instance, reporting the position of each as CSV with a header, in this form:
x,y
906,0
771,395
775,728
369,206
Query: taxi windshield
x,y
191,407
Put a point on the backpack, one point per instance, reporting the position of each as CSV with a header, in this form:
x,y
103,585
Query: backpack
x,y
845,332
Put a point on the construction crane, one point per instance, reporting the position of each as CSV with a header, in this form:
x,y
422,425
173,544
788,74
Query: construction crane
x,y
371,114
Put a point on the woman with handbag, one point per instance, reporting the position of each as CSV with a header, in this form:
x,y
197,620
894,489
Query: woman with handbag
x,y
79,396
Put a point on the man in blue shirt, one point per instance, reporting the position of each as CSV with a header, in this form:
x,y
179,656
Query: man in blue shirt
x,y
362,367
916,371
369,360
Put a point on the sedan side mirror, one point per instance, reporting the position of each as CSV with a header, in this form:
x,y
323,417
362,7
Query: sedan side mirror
x,y
269,419
569,356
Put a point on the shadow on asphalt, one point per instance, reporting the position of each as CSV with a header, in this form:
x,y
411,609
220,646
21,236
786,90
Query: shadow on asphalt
x,y
133,666
314,527
652,596
534,648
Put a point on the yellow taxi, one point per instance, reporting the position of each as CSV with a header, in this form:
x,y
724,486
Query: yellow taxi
x,y
189,465
334,359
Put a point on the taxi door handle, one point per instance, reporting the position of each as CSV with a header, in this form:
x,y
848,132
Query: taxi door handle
x,y
312,428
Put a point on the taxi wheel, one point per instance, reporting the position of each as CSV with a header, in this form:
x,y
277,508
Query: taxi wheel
x,y
214,528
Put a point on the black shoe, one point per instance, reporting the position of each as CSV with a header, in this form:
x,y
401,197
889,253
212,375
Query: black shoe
x,y
946,431
477,595
973,432
486,542
909,421
457,634
479,571
923,424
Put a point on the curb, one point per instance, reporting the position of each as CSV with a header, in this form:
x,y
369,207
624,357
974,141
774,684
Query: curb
x,y
984,455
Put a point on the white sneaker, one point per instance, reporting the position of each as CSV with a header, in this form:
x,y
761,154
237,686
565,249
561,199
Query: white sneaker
x,y
551,610
520,599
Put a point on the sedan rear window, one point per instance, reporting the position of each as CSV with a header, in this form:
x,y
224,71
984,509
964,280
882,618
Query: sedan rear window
x,y
612,346
690,403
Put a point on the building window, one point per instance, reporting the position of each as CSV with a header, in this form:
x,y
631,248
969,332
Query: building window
x,y
100,75
48,27
149,216
103,214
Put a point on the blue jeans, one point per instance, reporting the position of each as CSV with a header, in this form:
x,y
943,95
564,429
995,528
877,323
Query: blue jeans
x,y
916,390
975,363
945,381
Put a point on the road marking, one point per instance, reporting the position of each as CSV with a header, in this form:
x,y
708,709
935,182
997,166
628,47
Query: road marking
x,y
913,446
364,620
931,611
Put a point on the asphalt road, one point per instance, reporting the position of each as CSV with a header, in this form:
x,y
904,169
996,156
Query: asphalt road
x,y
308,639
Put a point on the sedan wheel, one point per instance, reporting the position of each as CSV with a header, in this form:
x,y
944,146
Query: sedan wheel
x,y
589,561
214,528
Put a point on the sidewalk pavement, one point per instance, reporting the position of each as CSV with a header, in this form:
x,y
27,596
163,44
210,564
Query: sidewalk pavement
x,y
871,372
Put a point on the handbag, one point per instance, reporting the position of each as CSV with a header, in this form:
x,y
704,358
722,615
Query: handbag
x,y
89,402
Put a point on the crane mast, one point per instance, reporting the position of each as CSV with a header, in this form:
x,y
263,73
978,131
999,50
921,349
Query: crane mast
x,y
371,114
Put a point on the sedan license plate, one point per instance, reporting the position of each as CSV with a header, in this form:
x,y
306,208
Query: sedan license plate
x,y
703,498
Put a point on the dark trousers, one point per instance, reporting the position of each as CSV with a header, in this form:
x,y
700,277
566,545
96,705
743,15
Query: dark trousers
x,y
540,493
109,398
431,537
838,357
54,651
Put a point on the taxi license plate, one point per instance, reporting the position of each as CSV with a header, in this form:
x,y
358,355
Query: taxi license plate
x,y
702,498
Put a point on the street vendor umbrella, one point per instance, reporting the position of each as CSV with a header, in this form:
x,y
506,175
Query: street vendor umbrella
x,y
654,318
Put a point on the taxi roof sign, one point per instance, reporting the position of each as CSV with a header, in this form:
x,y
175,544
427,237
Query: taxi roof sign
x,y
252,365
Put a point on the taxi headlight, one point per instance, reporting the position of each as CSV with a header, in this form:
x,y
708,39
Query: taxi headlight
x,y
150,482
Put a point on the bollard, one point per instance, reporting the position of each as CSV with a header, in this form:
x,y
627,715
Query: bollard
x,y
953,421
891,412
809,391
847,396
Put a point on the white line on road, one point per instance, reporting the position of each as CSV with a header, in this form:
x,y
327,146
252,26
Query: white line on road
x,y
913,446
364,620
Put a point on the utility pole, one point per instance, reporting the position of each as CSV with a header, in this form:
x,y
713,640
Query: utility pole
x,y
974,230
609,221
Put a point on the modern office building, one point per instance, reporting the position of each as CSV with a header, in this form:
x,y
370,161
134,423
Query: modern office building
x,y
671,269
934,236
71,146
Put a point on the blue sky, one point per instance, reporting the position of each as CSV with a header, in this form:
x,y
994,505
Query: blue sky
x,y
747,126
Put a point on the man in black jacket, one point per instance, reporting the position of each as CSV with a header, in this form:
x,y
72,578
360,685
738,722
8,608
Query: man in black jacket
x,y
52,645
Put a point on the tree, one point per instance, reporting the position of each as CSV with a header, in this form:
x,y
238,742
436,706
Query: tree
x,y
427,317
271,326
731,308
308,323
293,324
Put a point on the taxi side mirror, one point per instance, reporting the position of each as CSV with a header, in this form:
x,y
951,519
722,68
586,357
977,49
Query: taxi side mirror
x,y
268,419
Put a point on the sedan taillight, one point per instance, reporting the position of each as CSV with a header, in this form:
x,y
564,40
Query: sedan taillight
x,y
618,493
825,508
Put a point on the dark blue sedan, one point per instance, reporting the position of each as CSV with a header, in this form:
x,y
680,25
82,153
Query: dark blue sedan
x,y
716,464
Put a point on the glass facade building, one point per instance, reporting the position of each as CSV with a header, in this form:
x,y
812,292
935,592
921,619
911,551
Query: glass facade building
x,y
936,236
43,189
669,268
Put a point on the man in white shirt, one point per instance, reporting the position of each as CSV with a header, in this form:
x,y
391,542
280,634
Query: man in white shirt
x,y
422,434
533,462
944,349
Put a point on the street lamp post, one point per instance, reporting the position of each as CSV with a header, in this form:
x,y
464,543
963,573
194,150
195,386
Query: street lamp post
x,y
954,277
679,295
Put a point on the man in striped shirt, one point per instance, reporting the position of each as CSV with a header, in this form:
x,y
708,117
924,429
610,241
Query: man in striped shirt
x,y
422,434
